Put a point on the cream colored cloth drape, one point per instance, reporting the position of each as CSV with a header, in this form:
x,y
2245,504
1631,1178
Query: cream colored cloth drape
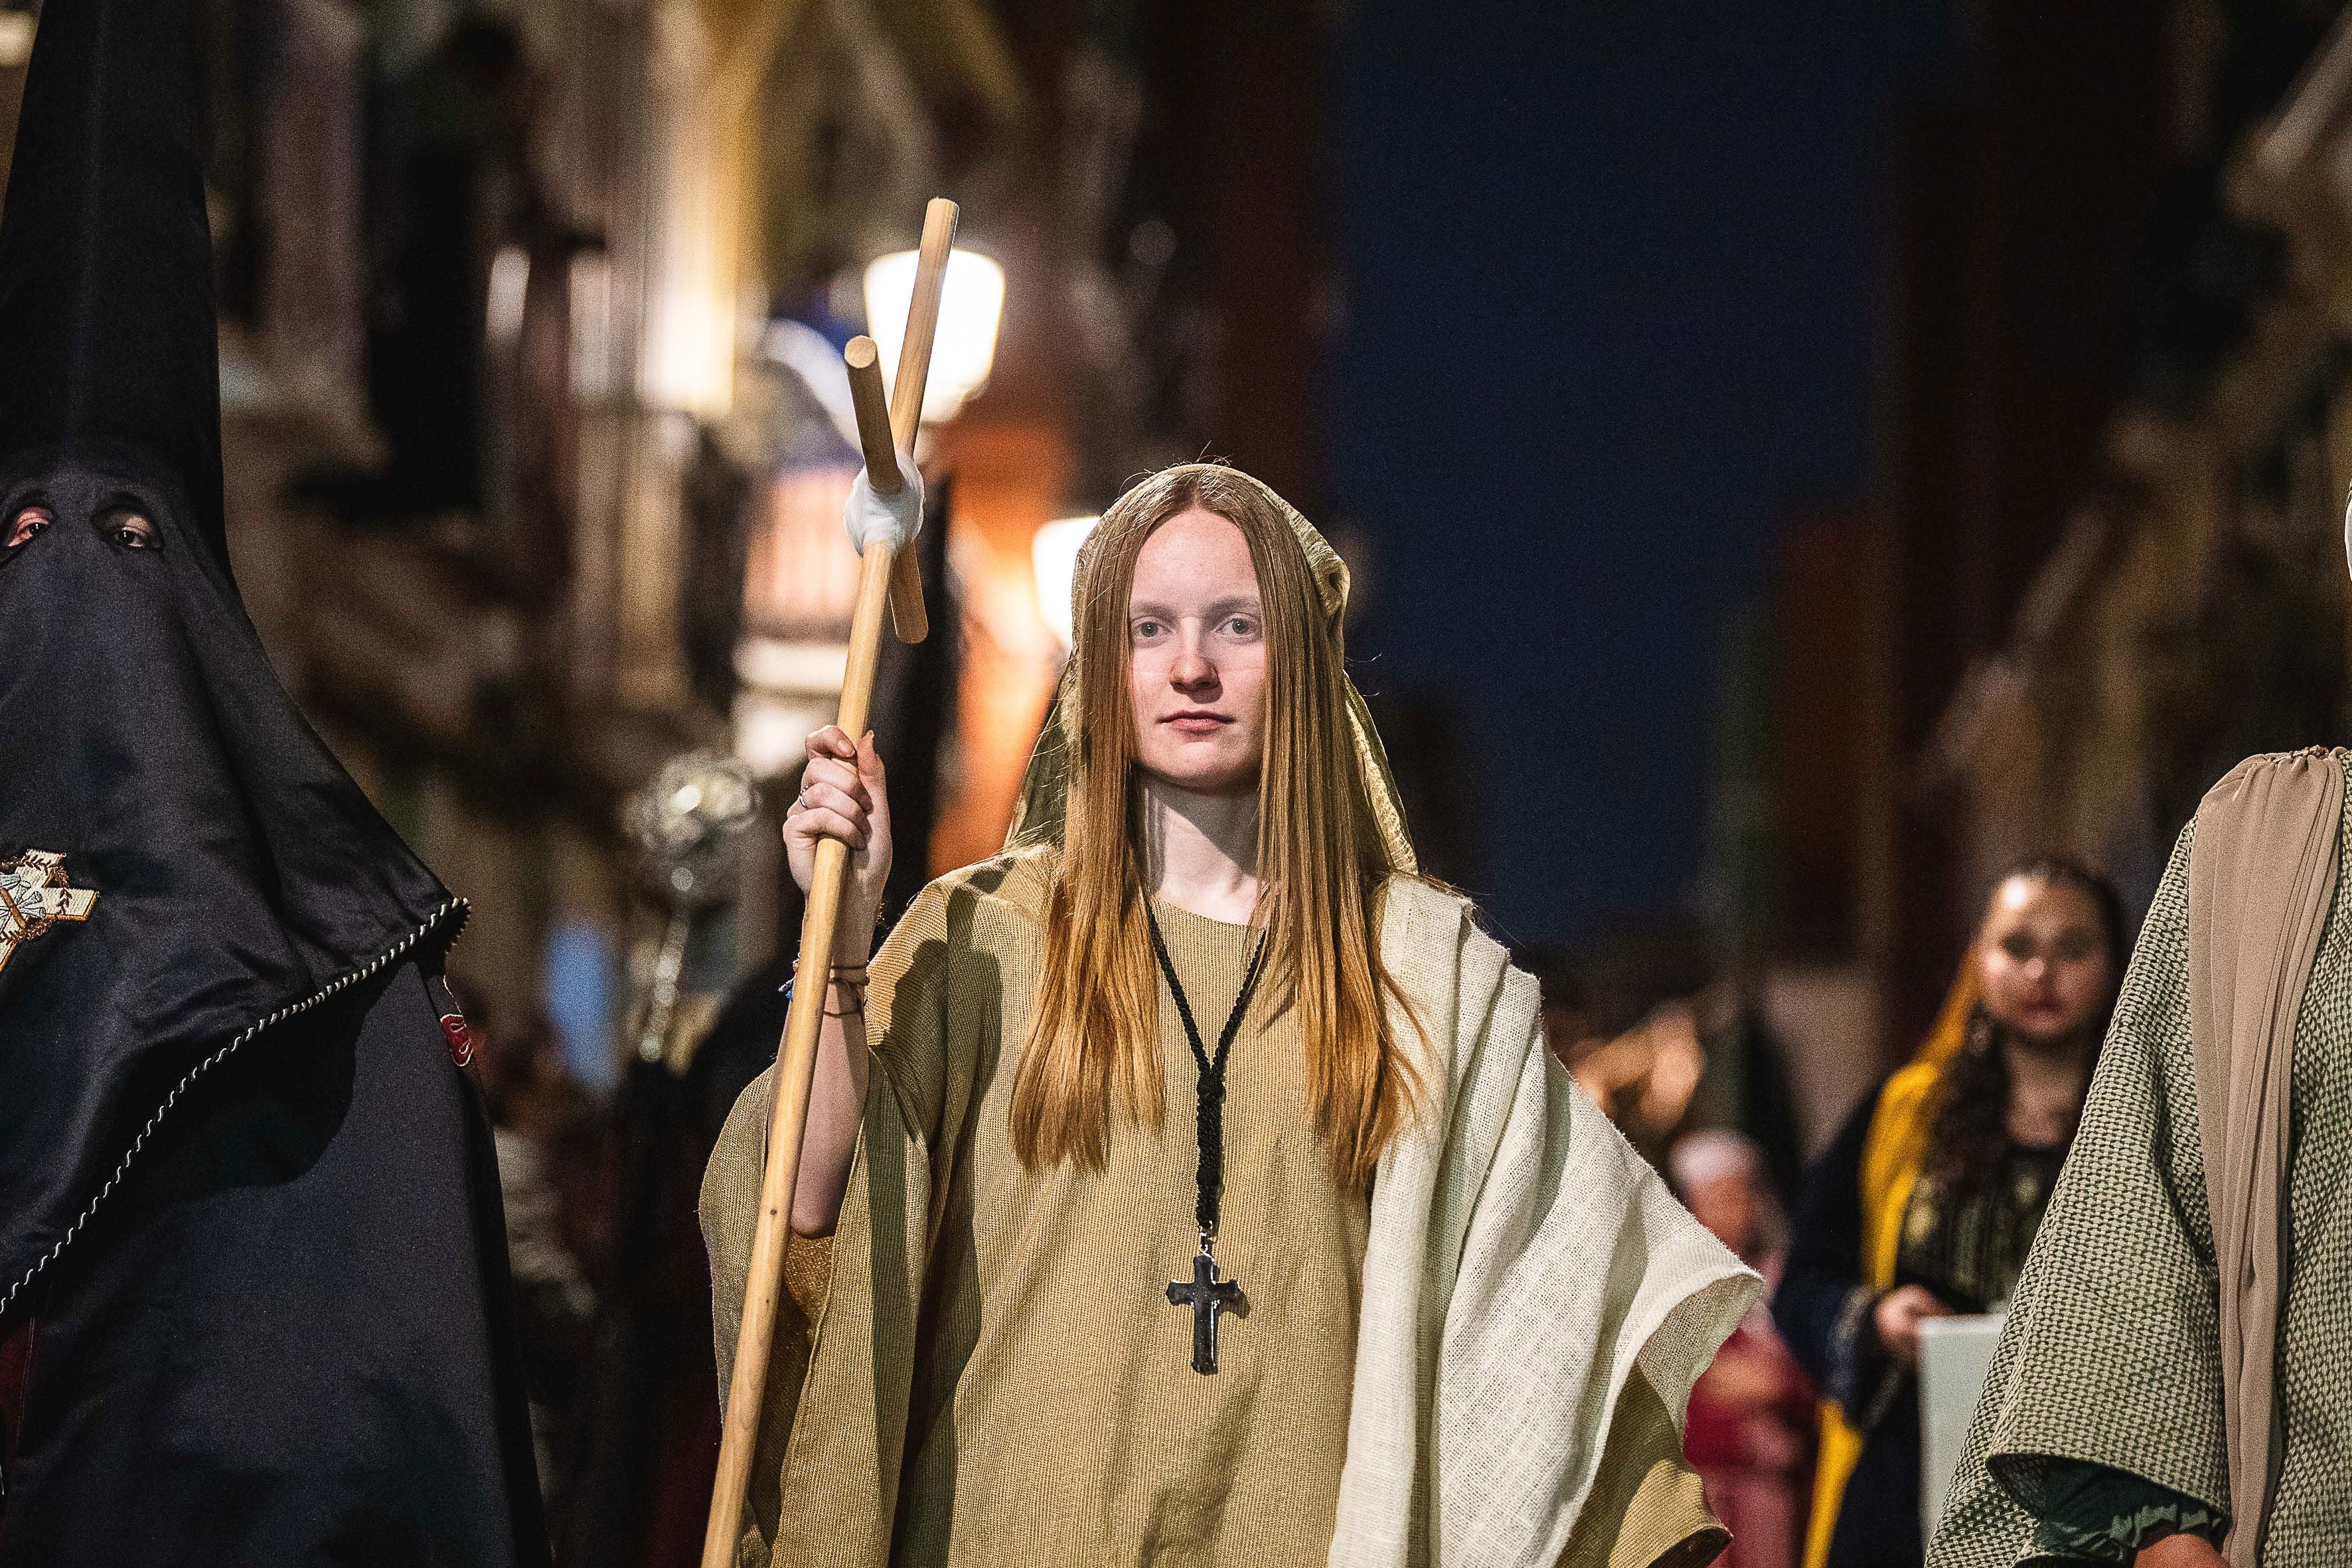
x,y
2261,877
1526,1306
1522,1260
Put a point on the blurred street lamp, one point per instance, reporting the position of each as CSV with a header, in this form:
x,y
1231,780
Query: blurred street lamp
x,y
1053,555
970,311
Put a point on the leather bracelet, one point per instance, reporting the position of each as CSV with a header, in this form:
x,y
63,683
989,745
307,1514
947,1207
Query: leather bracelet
x,y
852,975
849,980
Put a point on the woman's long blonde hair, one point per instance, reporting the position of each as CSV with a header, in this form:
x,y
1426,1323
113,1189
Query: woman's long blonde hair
x,y
1093,1030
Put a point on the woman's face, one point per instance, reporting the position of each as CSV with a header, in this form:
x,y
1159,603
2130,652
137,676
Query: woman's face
x,y
2042,961
1196,648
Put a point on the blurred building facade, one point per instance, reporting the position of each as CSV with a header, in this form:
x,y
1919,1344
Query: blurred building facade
x,y
2101,556
530,313
2108,539
2193,611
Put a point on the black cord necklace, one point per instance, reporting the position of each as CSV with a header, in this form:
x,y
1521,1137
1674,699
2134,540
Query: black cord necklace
x,y
1205,1293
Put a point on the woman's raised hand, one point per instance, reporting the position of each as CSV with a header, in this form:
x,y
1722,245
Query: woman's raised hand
x,y
843,797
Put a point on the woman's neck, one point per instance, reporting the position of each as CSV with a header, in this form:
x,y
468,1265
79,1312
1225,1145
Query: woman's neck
x,y
2045,1088
1200,851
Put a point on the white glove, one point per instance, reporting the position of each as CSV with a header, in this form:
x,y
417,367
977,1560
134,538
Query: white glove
x,y
894,521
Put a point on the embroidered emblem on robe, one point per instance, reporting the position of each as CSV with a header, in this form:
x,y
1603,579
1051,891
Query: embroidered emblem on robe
x,y
455,1031
34,896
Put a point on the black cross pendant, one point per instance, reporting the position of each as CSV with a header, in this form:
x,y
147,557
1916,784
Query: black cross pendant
x,y
1207,1295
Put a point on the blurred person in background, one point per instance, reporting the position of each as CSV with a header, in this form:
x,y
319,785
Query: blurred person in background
x,y
1750,1428
537,1112
1664,1044
1642,1079
1925,1203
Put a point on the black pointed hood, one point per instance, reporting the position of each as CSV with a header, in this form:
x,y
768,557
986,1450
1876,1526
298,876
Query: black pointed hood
x,y
183,864
106,296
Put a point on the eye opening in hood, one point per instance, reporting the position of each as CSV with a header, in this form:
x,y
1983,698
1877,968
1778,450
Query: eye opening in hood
x,y
125,523
27,524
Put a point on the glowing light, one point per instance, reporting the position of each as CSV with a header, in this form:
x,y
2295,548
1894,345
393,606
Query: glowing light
x,y
1053,555
971,306
772,728
509,288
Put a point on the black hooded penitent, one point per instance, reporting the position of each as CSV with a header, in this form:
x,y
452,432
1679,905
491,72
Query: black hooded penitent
x,y
250,1246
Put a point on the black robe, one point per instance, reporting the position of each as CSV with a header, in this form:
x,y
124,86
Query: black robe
x,y
253,1286
272,1344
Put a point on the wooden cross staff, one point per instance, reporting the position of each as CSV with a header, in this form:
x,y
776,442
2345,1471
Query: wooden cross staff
x,y
883,433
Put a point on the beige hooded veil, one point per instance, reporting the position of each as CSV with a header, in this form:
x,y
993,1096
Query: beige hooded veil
x,y
1522,1261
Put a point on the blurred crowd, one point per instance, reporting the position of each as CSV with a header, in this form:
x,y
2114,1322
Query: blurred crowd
x,y
556,1172
1807,1429
1877,1225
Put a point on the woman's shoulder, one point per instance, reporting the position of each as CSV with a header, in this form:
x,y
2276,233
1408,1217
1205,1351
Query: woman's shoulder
x,y
1014,885
1418,908
1431,905
1908,1085
2270,778
1883,1099
1425,923
1413,891
2277,763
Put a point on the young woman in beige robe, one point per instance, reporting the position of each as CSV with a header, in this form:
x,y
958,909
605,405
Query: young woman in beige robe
x,y
1465,1316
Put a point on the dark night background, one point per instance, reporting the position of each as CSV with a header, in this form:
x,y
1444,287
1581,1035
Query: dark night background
x,y
1609,305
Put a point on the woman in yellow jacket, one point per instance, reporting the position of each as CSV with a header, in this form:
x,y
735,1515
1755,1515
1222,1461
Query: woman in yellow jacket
x,y
1924,1204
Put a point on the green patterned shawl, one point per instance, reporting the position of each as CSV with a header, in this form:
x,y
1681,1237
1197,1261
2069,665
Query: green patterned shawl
x,y
2110,1355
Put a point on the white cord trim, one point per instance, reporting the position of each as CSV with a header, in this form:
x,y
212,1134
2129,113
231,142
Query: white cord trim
x,y
391,955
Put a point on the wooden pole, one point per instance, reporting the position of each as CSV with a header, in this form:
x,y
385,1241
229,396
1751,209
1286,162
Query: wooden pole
x,y
796,1054
907,393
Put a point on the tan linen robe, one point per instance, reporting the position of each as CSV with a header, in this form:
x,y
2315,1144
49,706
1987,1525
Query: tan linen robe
x,y
996,1375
